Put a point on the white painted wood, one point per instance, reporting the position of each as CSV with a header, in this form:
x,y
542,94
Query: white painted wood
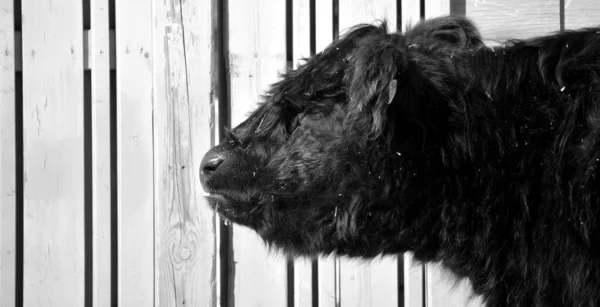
x,y
183,130
413,282
436,8
8,200
411,13
303,282
256,56
326,288
582,13
135,153
372,283
301,30
368,283
323,24
101,189
88,48
446,290
353,12
53,153
328,279
499,20
301,50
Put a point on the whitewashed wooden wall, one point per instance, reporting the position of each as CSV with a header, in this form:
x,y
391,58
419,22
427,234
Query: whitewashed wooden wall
x,y
106,109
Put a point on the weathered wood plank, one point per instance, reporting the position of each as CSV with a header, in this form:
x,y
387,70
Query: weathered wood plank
x,y
323,24
88,49
445,290
8,202
353,12
53,153
326,288
582,13
184,131
499,20
135,153
301,50
257,53
374,283
101,147
413,282
411,13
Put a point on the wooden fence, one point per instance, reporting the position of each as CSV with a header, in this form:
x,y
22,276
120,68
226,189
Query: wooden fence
x,y
106,109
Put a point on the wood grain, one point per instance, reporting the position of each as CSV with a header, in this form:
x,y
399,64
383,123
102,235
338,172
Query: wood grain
x,y
135,153
582,13
353,12
446,290
373,283
53,247
499,20
411,13
368,283
184,131
101,147
8,202
413,282
257,53
301,50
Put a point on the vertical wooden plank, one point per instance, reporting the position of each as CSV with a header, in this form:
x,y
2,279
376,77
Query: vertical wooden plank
x,y
327,274
436,8
581,13
301,50
411,13
7,155
374,283
353,12
256,56
186,255
323,24
134,153
499,20
445,290
99,51
53,153
413,282
328,278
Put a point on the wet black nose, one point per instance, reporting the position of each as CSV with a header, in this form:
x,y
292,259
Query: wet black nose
x,y
209,165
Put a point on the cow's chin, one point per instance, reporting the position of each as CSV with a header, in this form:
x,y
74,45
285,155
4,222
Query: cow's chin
x,y
229,209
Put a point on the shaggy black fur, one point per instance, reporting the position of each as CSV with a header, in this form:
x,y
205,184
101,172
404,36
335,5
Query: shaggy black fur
x,y
485,159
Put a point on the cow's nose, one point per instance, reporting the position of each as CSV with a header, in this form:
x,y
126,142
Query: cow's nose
x,y
209,165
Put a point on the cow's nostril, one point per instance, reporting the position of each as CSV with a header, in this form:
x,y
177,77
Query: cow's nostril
x,y
211,164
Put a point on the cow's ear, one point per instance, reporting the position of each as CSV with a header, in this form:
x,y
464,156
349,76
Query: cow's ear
x,y
452,31
372,79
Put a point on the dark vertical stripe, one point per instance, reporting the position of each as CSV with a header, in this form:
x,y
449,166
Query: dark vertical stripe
x,y
315,282
400,264
425,288
458,7
86,14
562,15
114,235
289,34
88,186
222,86
336,19
19,186
19,176
290,282
313,27
399,15
422,11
